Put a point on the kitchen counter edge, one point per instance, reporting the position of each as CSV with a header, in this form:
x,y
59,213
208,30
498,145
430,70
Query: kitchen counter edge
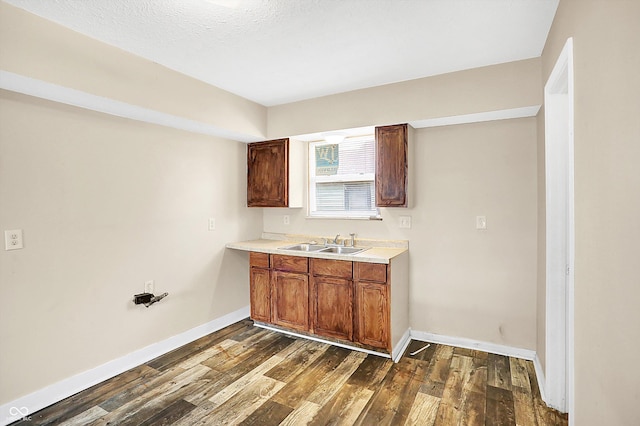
x,y
371,255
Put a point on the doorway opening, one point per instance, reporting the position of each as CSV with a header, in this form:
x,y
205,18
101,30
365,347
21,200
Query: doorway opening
x,y
560,236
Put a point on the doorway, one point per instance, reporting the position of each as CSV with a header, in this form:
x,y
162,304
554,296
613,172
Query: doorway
x,y
560,236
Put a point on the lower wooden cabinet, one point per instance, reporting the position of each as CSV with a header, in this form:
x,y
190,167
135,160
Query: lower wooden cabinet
x,y
260,287
290,300
332,298
337,299
372,302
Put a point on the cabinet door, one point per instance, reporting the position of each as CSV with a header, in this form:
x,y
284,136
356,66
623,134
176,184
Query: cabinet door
x,y
268,173
391,166
332,300
372,306
290,300
260,294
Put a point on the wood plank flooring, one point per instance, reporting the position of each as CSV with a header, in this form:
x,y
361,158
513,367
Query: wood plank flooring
x,y
251,376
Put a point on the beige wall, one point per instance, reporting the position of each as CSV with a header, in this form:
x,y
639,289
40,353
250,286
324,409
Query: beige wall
x,y
106,204
41,49
607,204
492,88
464,282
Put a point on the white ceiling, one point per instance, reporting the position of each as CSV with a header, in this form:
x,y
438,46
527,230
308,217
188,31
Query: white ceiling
x,y
280,51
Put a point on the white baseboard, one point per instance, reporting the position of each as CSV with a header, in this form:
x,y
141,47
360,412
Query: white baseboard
x,y
321,340
540,377
56,392
401,346
395,353
462,342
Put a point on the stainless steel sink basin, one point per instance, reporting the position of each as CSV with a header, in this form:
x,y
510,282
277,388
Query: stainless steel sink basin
x,y
319,248
304,247
342,250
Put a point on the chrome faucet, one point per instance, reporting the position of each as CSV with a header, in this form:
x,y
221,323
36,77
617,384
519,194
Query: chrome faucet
x,y
335,240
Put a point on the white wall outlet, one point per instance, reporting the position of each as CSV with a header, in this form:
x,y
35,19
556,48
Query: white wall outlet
x,y
481,222
212,224
405,222
286,219
13,239
149,286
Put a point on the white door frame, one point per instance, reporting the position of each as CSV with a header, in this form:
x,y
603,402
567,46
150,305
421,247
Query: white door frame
x,y
560,235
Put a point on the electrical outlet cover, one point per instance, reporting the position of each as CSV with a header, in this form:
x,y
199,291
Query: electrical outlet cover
x,y
481,222
13,239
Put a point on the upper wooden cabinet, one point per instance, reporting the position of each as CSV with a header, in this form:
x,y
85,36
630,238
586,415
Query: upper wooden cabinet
x,y
268,173
273,180
392,165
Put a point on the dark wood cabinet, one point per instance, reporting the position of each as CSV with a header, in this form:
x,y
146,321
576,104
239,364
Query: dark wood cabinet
x,y
332,298
337,299
372,305
290,292
260,287
290,300
268,173
392,166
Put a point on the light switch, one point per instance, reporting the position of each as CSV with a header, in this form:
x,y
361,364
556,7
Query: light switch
x,y
481,222
13,239
405,222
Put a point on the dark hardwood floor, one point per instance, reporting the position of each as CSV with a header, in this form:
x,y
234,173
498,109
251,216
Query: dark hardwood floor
x,y
251,376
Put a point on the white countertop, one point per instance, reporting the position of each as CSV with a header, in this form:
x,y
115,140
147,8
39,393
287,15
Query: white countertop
x,y
376,252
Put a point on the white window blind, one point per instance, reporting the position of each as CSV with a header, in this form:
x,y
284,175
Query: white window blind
x,y
341,178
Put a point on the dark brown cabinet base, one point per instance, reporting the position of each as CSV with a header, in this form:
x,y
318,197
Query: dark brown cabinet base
x,y
290,300
260,287
335,299
332,298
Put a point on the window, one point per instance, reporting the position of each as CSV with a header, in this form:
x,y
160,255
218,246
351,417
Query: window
x,y
341,178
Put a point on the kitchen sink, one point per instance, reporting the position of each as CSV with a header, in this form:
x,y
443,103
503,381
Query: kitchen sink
x,y
342,250
319,248
304,247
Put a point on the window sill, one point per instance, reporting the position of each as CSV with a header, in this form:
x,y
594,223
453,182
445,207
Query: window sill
x,y
379,218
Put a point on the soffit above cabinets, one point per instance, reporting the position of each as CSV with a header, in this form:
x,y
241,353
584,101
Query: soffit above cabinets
x,y
281,51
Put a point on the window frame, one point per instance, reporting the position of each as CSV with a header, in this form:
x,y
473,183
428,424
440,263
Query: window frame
x,y
313,179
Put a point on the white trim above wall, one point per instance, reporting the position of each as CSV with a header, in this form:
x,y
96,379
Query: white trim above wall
x,y
503,114
65,95
72,385
462,342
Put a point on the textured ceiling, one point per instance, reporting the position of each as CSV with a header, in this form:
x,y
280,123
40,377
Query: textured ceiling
x,y
280,51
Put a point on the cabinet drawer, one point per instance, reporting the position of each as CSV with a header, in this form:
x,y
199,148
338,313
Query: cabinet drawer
x,y
260,260
289,263
332,268
376,272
